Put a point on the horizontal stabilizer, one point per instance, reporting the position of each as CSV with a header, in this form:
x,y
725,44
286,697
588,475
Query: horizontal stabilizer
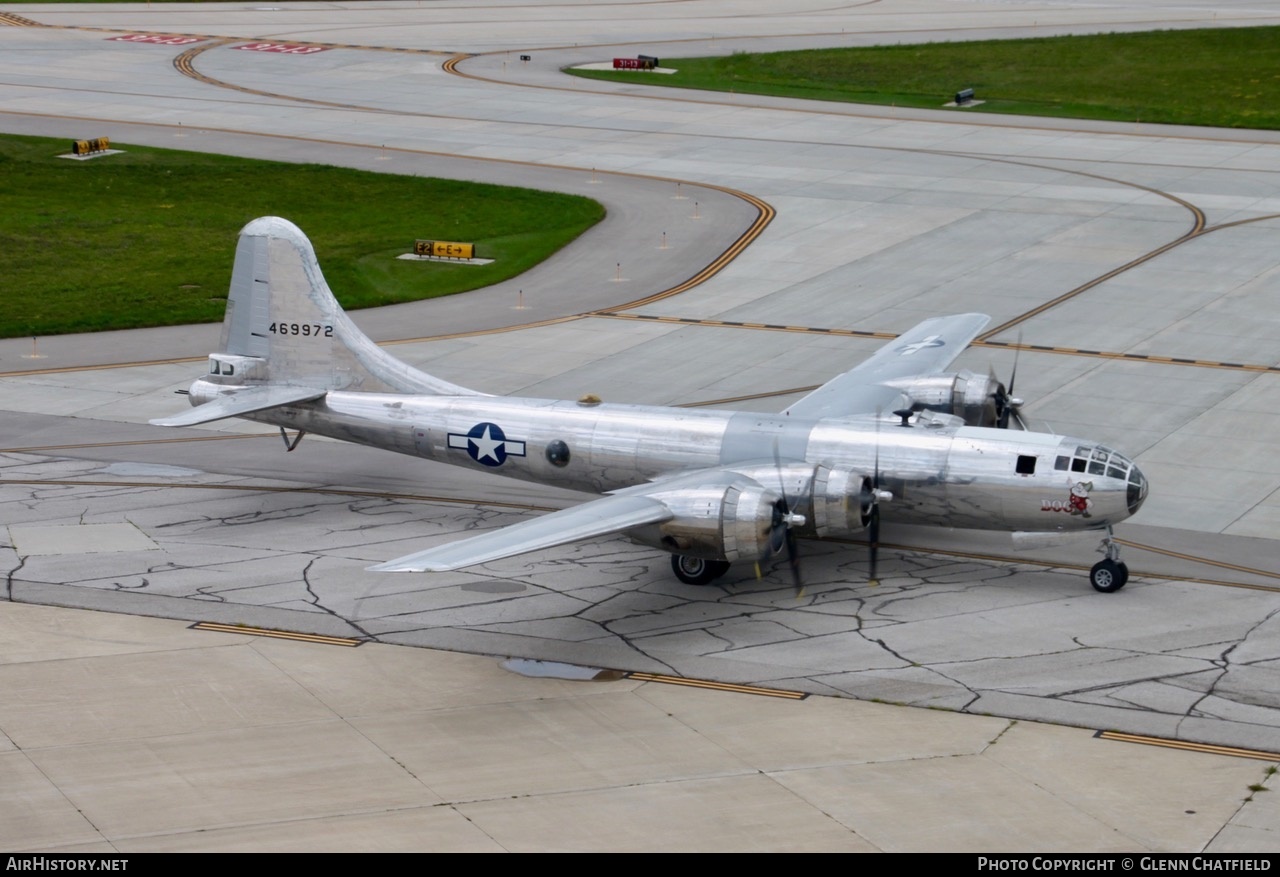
x,y
610,514
241,401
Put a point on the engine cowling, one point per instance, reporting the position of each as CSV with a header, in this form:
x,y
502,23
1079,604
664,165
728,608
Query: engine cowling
x,y
735,521
966,394
841,501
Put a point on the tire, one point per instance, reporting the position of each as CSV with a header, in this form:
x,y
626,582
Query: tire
x,y
696,571
1108,576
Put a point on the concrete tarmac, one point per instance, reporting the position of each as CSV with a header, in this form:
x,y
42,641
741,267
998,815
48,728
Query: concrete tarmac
x,y
133,733
129,734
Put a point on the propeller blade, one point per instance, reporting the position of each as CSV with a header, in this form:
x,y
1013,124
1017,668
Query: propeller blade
x,y
1000,399
875,481
873,525
783,520
793,558
874,541
1006,403
1013,375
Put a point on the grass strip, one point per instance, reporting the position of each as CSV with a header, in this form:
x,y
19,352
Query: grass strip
x,y
147,237
1222,77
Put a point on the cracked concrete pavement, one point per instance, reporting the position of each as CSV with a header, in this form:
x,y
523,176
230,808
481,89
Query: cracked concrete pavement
x,y
881,219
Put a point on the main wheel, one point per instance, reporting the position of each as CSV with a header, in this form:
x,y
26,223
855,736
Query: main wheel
x,y
696,571
1108,576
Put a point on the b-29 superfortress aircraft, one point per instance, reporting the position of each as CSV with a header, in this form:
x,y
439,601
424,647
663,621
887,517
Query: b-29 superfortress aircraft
x,y
896,439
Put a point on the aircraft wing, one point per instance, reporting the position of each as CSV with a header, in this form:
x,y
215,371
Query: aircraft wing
x,y
929,347
241,401
609,514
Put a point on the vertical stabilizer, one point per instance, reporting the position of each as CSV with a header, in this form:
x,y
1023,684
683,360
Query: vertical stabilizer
x,y
284,322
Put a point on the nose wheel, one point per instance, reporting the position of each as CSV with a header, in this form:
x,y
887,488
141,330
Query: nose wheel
x,y
1110,573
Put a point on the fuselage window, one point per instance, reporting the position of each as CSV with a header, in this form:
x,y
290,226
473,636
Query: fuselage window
x,y
1062,463
558,454
1077,465
1026,464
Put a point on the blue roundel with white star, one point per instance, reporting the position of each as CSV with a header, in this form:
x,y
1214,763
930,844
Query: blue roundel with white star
x,y
487,444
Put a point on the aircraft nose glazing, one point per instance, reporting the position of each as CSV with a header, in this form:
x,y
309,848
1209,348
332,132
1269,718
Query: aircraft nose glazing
x,y
1137,491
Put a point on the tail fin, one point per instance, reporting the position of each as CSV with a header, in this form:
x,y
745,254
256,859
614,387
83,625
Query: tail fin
x,y
284,327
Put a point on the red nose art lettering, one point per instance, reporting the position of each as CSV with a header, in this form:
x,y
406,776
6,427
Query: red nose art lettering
x,y
1077,501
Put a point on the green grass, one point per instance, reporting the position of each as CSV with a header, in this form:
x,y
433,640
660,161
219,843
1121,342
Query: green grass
x,y
1226,77
147,237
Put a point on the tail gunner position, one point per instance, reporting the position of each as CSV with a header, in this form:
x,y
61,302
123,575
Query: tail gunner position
x,y
709,487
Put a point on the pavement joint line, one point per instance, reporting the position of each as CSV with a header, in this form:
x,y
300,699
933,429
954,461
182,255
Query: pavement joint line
x,y
718,686
14,20
1005,345
264,488
129,444
277,634
1188,746
1180,556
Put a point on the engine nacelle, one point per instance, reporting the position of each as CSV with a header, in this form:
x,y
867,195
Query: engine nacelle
x,y
965,394
736,521
841,502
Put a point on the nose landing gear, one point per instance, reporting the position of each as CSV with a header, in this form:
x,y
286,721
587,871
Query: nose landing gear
x,y
1110,573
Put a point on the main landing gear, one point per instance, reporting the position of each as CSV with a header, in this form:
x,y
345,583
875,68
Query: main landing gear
x,y
1110,573
696,571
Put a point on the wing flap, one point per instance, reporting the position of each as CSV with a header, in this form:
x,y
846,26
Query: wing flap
x,y
600,517
239,402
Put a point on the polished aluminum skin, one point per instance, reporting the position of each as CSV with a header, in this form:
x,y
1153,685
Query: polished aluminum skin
x,y
894,437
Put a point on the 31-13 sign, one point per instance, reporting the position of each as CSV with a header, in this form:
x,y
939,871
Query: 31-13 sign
x,y
444,249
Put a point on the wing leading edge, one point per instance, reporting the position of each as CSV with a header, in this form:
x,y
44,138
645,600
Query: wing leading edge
x,y
925,349
600,517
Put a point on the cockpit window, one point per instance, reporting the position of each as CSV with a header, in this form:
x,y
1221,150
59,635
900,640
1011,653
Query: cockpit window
x,y
1098,460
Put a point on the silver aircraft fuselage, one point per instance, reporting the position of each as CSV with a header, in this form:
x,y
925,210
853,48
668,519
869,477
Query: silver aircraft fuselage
x,y
708,487
942,474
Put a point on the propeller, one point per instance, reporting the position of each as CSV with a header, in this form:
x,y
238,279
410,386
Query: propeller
x,y
870,498
782,535
781,530
1007,404
871,502
873,525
